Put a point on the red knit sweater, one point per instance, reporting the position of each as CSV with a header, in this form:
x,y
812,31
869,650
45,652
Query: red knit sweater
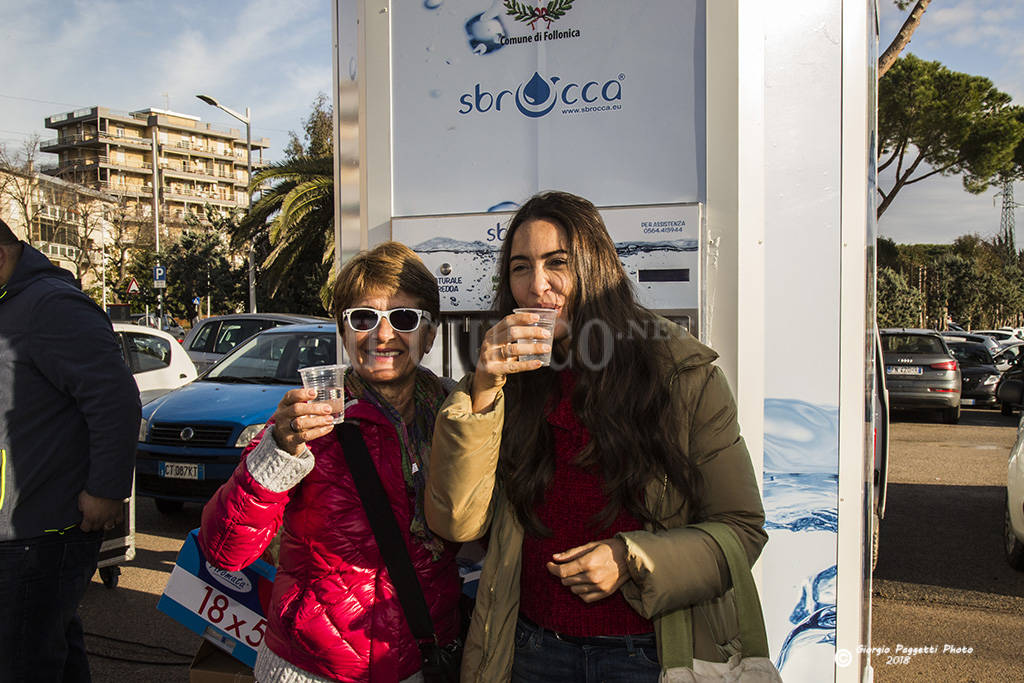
x,y
571,503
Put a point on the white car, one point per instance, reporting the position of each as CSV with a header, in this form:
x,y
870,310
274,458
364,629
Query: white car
x,y
157,360
1013,530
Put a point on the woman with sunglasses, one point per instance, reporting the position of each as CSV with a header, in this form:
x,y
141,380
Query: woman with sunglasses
x,y
586,473
333,613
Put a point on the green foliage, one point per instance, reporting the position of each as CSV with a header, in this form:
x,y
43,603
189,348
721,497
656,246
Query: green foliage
x,y
198,265
898,304
974,282
318,133
935,121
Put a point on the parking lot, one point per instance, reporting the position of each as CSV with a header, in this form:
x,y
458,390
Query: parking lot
x,y
941,577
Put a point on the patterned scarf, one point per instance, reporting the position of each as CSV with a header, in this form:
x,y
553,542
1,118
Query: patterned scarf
x,y
413,440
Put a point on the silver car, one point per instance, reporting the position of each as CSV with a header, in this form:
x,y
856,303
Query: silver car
x,y
211,338
920,372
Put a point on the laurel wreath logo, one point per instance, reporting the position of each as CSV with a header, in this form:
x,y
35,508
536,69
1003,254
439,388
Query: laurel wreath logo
x,y
550,12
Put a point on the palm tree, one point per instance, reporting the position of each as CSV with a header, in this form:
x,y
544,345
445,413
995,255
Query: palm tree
x,y
295,216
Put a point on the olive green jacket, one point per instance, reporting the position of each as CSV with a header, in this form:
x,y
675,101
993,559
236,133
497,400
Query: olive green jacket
x,y
669,569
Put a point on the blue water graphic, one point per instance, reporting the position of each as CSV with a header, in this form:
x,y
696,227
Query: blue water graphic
x,y
801,496
800,437
801,502
484,32
814,616
503,206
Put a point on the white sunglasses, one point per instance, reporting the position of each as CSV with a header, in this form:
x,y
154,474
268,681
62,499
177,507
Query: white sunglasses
x,y
366,319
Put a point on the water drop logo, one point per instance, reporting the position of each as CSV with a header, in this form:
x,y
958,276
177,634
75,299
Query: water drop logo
x,y
536,98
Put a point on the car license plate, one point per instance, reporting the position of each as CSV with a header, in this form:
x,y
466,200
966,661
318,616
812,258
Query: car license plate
x,y
967,401
903,370
180,470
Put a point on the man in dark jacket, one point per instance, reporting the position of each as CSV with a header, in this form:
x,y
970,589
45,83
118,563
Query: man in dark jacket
x,y
69,420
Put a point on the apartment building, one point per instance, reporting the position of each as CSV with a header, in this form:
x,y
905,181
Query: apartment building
x,y
127,154
66,221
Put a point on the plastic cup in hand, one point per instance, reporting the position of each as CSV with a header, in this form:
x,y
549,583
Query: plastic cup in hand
x,y
547,321
329,382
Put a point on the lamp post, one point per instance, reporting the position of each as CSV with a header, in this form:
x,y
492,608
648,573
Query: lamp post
x,y
248,155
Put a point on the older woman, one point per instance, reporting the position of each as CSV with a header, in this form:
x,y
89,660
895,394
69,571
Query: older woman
x,y
334,614
587,473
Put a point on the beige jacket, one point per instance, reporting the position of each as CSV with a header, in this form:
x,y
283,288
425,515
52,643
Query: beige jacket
x,y
669,569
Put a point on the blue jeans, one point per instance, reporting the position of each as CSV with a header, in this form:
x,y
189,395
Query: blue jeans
x,y
42,580
541,657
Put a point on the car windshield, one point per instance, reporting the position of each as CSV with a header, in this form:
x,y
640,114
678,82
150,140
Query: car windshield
x,y
275,358
911,343
971,354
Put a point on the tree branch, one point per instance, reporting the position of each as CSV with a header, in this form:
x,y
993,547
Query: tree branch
x,y
902,38
929,174
895,152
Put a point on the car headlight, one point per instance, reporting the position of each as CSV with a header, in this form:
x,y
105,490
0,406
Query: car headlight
x,y
248,434
990,380
143,429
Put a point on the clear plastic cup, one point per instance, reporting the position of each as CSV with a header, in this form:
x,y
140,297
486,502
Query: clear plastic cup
x,y
547,321
329,382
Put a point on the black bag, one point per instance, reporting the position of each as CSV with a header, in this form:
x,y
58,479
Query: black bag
x,y
440,663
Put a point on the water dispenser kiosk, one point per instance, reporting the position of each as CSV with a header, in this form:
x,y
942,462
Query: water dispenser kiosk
x,y
730,149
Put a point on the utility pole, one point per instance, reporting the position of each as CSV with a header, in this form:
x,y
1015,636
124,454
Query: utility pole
x,y
1007,222
156,225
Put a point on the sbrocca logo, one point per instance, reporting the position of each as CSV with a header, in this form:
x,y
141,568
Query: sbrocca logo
x,y
538,96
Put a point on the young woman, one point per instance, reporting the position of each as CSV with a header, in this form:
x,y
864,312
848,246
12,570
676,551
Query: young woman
x,y
585,474
334,614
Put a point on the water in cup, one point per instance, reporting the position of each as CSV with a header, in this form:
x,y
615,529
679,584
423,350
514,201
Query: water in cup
x,y
329,382
547,321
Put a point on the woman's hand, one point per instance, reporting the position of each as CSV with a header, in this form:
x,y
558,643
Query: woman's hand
x,y
297,421
513,336
592,571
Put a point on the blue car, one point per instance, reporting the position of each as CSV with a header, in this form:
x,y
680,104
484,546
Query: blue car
x,y
191,439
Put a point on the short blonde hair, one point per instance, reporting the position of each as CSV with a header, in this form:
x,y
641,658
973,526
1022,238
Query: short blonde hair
x,y
388,268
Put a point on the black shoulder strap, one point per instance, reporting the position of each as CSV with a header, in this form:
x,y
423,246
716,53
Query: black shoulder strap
x,y
385,529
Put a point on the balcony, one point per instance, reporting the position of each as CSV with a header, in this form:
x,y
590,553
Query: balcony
x,y
54,144
124,189
126,140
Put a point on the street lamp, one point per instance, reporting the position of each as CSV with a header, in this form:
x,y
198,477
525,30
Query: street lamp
x,y
248,154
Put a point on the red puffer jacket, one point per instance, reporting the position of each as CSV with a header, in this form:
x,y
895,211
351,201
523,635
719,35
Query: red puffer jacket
x,y
334,611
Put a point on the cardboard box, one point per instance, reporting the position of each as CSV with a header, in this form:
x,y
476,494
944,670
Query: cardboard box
x,y
223,607
211,665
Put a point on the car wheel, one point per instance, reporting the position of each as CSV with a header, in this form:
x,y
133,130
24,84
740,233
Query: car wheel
x,y
1006,409
168,507
1013,547
951,415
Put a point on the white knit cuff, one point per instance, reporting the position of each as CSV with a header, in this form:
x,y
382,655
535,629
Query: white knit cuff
x,y
275,468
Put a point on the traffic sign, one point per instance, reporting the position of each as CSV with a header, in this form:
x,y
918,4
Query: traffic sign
x,y
133,287
195,301
159,277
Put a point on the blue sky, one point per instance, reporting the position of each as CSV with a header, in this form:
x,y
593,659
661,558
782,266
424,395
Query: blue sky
x,y
275,57
60,55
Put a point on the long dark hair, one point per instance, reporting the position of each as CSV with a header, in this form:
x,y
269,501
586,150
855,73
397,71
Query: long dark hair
x,y
621,392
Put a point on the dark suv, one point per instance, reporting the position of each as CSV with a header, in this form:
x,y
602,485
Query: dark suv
x,y
920,372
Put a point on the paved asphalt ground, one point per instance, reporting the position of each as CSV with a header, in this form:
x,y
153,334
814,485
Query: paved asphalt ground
x,y
941,577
